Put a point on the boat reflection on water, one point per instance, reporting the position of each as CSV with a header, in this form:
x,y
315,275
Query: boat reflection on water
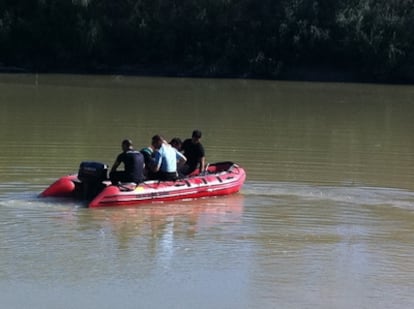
x,y
186,218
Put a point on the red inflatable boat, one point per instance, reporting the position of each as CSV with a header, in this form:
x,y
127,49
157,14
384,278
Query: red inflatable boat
x,y
91,184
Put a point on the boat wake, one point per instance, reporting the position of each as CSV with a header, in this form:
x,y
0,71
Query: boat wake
x,y
347,194
24,194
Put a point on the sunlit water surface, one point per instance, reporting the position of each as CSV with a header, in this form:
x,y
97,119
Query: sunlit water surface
x,y
325,218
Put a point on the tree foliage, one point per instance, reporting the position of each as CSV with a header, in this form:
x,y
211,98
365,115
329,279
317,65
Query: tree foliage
x,y
267,38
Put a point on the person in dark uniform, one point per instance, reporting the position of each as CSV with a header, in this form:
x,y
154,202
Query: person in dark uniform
x,y
194,152
148,153
133,165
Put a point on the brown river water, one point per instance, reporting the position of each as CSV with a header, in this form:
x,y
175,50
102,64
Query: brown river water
x,y
324,220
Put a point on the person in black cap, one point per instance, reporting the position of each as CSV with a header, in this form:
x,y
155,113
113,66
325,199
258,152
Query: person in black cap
x,y
133,165
194,152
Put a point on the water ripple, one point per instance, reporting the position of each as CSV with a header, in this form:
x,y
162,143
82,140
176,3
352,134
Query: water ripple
x,y
360,195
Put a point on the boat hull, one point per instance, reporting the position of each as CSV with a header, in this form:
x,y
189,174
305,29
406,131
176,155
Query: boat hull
x,y
223,178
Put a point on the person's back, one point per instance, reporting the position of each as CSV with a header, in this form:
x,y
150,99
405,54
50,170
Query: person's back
x,y
133,165
147,152
194,152
168,158
181,159
165,159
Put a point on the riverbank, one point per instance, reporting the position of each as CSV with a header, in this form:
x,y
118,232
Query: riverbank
x,y
298,73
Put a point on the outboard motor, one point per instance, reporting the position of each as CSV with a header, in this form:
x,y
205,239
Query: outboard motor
x,y
92,174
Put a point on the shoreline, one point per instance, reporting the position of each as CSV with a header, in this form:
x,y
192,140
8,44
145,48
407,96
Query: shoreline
x,y
305,74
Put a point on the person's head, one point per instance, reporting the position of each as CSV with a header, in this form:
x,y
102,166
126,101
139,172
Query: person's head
x,y
176,143
157,141
126,144
196,136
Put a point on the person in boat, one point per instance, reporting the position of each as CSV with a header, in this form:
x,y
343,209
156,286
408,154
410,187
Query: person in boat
x,y
176,143
194,152
148,153
181,159
165,160
133,165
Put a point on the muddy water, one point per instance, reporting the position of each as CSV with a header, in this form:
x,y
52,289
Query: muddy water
x,y
325,218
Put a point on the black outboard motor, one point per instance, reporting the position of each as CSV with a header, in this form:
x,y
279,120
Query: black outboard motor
x,y
92,174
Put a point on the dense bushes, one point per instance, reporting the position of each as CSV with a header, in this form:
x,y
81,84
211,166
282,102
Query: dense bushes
x,y
370,39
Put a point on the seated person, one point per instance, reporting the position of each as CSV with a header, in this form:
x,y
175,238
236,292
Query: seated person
x,y
148,153
164,163
181,159
194,152
176,143
133,165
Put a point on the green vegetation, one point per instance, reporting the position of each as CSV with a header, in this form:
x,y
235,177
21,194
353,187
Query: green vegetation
x,y
351,39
